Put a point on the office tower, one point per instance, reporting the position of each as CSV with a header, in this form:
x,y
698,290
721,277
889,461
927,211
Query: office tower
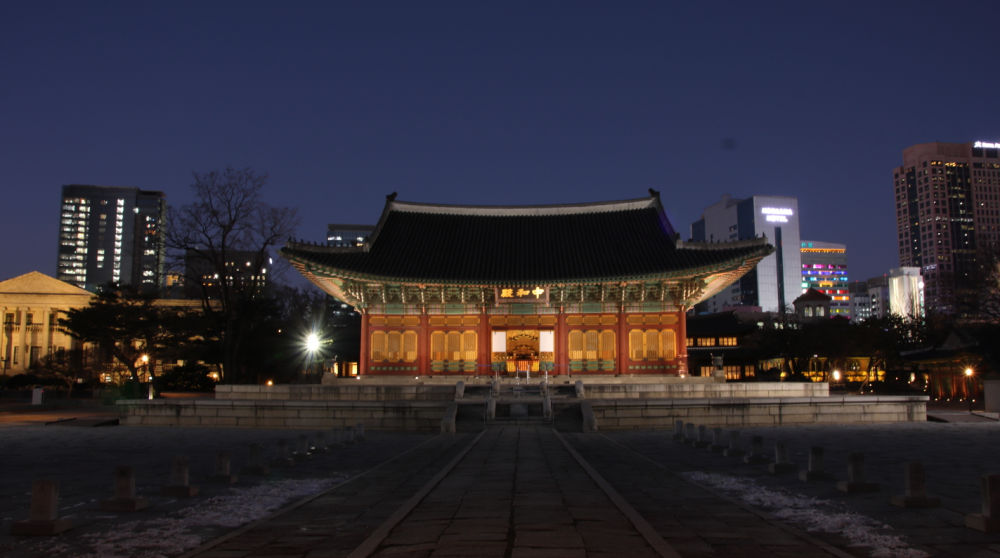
x,y
111,235
775,282
861,301
899,292
947,222
824,268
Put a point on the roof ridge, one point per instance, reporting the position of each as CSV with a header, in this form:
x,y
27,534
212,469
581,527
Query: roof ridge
x,y
523,210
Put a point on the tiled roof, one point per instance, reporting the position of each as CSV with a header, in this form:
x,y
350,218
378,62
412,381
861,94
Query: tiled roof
x,y
491,245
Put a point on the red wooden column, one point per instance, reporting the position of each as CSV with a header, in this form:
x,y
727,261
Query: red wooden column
x,y
682,345
621,362
485,354
365,336
423,346
561,343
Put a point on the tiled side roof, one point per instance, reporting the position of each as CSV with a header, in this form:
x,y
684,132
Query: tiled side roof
x,y
627,240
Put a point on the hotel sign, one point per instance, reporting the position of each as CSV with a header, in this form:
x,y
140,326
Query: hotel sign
x,y
776,214
520,294
986,145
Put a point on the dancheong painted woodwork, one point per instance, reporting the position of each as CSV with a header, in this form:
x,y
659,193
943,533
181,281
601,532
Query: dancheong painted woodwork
x,y
593,288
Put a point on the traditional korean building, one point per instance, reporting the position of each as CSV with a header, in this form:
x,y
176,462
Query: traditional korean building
x,y
592,288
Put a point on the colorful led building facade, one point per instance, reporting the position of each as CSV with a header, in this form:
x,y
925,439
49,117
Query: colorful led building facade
x,y
112,235
774,284
584,288
948,215
824,268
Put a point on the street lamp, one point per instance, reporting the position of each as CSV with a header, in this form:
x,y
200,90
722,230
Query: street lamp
x,y
968,386
312,347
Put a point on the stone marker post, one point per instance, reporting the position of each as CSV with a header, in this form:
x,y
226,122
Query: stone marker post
x,y
735,448
702,440
856,476
321,442
124,499
989,520
302,449
43,515
717,445
915,492
781,463
359,431
223,470
756,454
179,486
815,470
678,430
256,464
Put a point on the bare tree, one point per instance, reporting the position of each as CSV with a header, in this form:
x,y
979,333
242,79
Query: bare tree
x,y
225,237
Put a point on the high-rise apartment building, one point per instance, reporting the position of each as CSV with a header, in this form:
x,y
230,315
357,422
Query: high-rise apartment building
x,y
948,215
824,268
111,235
775,282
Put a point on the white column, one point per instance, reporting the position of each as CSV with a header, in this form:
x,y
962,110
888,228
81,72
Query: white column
x,y
45,332
22,339
4,338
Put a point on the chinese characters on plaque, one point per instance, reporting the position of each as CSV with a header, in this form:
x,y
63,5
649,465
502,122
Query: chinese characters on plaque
x,y
516,294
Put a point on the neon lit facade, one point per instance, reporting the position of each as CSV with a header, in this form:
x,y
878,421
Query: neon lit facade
x,y
824,268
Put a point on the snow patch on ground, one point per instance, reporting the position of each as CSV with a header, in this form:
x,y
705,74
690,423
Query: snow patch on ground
x,y
172,535
814,514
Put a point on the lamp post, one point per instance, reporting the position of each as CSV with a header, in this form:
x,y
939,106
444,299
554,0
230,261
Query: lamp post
x,y
969,386
312,347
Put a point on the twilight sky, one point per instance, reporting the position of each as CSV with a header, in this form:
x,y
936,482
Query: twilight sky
x,y
490,103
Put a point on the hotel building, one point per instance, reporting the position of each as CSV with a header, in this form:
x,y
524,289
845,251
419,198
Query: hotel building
x,y
775,282
948,215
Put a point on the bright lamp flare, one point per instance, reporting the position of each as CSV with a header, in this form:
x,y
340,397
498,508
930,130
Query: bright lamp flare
x,y
312,342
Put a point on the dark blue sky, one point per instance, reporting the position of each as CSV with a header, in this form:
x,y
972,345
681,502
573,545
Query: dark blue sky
x,y
502,103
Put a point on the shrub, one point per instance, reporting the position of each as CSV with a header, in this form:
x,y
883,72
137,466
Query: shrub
x,y
189,377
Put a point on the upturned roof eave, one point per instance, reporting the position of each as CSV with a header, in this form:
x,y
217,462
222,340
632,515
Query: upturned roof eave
x,y
673,274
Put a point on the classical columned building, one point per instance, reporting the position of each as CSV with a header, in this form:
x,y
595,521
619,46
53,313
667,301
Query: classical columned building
x,y
593,288
31,305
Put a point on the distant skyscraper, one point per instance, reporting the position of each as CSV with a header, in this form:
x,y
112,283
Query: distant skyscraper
x,y
348,236
111,235
243,271
947,204
824,268
776,280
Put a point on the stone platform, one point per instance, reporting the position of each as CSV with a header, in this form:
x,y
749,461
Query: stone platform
x,y
573,403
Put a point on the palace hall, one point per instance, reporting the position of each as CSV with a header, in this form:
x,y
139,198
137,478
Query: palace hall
x,y
588,288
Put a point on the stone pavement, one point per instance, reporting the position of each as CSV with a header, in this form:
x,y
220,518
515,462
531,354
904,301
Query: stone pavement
x,y
512,491
520,492
954,455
